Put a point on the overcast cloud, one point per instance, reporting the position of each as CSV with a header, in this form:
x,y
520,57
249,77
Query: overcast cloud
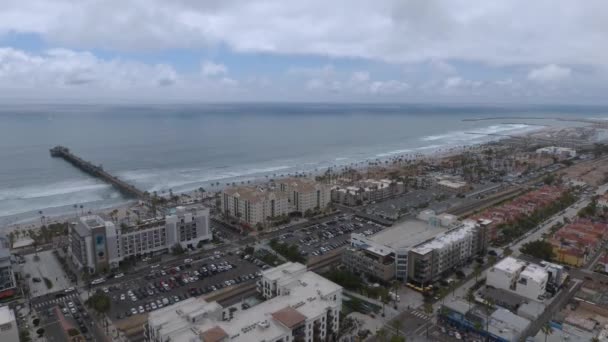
x,y
402,50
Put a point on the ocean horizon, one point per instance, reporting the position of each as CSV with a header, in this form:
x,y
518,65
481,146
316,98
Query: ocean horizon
x,y
184,147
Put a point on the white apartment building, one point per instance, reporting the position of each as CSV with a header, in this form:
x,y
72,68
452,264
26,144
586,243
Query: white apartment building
x,y
366,191
560,152
9,331
517,276
253,205
305,308
305,195
98,244
429,260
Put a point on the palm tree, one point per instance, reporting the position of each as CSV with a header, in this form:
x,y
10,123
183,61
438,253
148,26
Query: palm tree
x,y
547,329
489,308
477,272
470,297
381,334
428,309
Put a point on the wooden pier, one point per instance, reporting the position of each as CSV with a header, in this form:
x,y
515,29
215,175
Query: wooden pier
x,y
98,172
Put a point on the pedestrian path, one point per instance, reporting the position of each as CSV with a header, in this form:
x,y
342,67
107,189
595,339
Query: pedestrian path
x,y
54,301
420,315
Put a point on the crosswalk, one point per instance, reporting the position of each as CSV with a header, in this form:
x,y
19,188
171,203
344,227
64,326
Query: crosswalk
x,y
420,315
54,301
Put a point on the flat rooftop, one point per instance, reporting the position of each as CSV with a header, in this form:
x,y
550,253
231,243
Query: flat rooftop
x,y
445,239
307,298
6,315
407,234
286,269
535,272
510,265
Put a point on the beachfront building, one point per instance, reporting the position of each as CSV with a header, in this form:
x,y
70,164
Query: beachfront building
x,y
558,152
8,284
517,276
253,205
9,332
305,196
366,191
96,244
436,257
305,307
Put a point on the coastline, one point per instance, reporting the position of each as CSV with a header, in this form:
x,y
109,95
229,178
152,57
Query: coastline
x,y
362,166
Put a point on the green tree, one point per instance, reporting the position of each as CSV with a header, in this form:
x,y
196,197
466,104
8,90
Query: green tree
x,y
477,272
381,335
470,298
177,249
428,309
99,302
489,308
547,329
539,249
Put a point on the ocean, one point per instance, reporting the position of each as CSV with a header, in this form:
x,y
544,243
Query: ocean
x,y
184,147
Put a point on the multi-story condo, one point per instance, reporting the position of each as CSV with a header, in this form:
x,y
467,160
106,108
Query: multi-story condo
x,y
305,195
520,277
8,285
304,307
9,332
368,190
385,254
96,244
254,205
428,261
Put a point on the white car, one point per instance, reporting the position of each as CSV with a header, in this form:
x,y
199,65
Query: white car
x,y
153,306
69,289
141,309
134,311
122,296
119,275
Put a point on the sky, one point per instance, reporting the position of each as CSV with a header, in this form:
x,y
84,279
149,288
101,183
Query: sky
x,y
516,51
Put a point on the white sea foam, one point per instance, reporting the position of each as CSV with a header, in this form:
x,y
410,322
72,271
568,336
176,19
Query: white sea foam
x,y
392,153
51,190
458,136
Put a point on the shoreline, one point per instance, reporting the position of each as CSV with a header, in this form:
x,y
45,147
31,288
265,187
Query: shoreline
x,y
361,165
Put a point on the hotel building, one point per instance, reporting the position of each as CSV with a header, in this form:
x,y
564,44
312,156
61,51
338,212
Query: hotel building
x,y
96,244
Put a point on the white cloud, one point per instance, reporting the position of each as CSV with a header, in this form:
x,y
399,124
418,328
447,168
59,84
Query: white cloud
x,y
389,30
459,82
68,68
452,82
443,66
209,68
388,87
549,73
229,82
360,76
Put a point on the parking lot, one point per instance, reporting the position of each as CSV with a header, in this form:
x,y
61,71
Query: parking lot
x,y
408,203
168,285
323,237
